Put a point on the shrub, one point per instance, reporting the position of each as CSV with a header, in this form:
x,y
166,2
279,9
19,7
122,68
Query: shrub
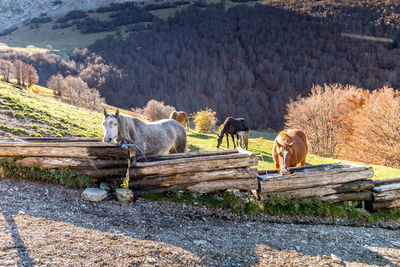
x,y
326,116
42,19
377,129
155,110
205,120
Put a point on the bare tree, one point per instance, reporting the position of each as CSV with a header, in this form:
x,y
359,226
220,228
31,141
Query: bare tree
x,y
57,84
325,116
18,71
29,74
6,69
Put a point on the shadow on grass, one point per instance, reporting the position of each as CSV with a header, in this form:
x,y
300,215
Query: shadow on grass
x,y
200,136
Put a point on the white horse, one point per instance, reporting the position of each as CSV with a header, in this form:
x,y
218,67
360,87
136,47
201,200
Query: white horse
x,y
149,138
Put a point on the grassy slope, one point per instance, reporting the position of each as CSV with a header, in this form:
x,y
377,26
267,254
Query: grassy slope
x,y
45,115
42,114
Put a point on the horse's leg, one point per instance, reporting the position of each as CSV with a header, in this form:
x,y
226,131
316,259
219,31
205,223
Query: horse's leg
x,y
237,139
233,139
227,140
187,124
276,157
303,162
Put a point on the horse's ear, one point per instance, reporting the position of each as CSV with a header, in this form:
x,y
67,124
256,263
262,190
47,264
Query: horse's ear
x,y
117,113
291,144
105,112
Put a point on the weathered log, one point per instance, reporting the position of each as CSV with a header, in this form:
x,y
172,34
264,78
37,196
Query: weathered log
x,y
207,187
143,169
302,168
387,187
314,179
185,155
170,169
386,205
60,144
197,159
62,139
387,181
359,196
73,163
387,195
59,151
325,190
166,181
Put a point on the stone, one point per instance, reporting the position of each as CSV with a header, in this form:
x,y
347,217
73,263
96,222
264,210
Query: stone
x,y
105,186
199,242
335,258
124,195
94,194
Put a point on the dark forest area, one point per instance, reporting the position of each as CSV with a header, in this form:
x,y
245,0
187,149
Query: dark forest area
x,y
250,62
244,61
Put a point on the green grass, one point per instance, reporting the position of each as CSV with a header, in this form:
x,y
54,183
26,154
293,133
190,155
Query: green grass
x,y
58,118
277,206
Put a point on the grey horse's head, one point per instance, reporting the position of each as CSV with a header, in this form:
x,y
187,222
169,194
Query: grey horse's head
x,y
110,126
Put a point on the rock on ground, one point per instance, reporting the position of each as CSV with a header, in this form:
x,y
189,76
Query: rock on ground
x,y
94,194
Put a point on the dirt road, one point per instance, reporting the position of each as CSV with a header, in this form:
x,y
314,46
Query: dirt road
x,y
44,224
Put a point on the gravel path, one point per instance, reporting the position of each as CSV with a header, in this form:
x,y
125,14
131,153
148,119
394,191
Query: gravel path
x,y
45,224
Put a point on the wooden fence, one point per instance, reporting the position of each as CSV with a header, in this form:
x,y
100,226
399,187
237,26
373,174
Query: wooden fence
x,y
202,172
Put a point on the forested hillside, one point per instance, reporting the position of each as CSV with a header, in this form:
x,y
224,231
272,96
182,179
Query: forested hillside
x,y
243,61
248,61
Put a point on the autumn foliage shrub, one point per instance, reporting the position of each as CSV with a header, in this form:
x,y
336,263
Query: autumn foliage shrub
x,y
155,110
348,122
205,120
376,137
325,116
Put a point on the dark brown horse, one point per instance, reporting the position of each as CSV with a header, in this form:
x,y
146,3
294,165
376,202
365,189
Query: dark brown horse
x,y
181,117
289,150
231,126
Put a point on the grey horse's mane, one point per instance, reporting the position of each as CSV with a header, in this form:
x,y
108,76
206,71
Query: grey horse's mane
x,y
129,128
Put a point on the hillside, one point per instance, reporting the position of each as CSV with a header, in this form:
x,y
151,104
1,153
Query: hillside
x,y
15,11
54,34
23,113
245,60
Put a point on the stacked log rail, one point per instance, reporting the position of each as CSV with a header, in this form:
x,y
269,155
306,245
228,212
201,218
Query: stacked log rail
x,y
330,182
197,172
386,194
74,153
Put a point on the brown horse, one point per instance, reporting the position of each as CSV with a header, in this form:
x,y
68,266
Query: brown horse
x,y
289,150
181,117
